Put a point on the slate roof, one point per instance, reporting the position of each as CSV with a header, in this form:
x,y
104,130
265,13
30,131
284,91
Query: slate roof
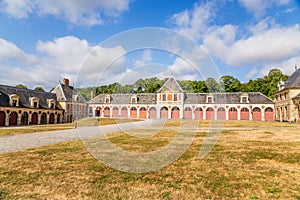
x,y
24,97
143,98
227,98
67,93
171,85
293,80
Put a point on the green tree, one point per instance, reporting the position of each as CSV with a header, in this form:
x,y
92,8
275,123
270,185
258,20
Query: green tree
x,y
39,89
230,84
21,86
212,85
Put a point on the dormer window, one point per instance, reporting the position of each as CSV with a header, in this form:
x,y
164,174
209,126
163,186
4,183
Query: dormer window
x,y
51,103
175,97
133,99
34,102
107,99
244,99
164,97
14,100
209,99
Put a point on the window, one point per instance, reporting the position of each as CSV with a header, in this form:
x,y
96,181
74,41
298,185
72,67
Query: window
x,y
35,104
209,99
244,99
14,103
133,99
175,97
34,101
14,100
107,99
164,97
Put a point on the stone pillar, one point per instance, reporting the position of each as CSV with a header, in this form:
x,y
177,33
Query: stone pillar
x,y
263,115
193,113
238,114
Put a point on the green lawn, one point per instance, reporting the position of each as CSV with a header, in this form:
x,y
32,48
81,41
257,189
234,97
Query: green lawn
x,y
258,163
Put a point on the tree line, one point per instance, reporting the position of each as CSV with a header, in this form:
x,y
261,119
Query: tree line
x,y
267,85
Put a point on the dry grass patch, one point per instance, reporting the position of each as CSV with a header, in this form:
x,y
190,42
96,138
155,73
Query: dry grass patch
x,y
238,167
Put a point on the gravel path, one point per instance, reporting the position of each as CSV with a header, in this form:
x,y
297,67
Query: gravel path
x,y
26,141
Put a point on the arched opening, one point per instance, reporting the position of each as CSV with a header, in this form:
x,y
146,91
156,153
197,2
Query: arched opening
x,y
245,114
143,112
175,113
34,118
256,114
106,112
164,113
24,118
133,112
43,118
98,112
124,112
152,113
115,112
233,114
13,119
2,118
221,113
198,113
269,114
210,113
187,113
58,118
51,118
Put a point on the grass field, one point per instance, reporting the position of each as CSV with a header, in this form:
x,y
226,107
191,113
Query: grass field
x,y
251,160
9,131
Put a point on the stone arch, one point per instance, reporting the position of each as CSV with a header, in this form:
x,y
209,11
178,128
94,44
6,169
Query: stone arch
x,y
51,118
24,118
34,118
187,113
43,118
143,112
198,113
164,113
115,112
106,112
175,113
209,113
58,118
152,113
256,114
98,111
221,113
269,114
13,118
245,113
2,118
133,112
124,112
232,113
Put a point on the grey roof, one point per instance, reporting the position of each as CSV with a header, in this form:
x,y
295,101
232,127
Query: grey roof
x,y
67,93
228,98
24,97
172,85
143,98
293,80
297,96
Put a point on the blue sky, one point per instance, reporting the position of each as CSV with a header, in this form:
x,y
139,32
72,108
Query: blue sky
x,y
43,41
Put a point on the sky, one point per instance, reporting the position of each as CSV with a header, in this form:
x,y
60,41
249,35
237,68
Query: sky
x,y
105,41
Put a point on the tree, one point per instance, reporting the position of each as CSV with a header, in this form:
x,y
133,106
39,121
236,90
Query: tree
x,y
230,84
212,85
40,89
21,86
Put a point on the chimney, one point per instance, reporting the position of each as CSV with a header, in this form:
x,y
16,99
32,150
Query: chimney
x,y
92,94
65,82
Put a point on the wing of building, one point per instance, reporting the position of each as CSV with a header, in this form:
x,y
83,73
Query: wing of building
x,y
287,98
71,101
26,107
172,102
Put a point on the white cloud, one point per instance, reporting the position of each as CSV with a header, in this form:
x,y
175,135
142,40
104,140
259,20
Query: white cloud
x,y
146,58
273,45
193,23
259,7
86,13
64,57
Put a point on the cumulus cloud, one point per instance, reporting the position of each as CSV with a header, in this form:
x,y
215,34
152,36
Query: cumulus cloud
x,y
68,57
146,58
259,7
272,45
194,22
86,13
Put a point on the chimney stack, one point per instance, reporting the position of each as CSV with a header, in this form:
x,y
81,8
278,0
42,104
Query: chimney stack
x,y
92,94
65,82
